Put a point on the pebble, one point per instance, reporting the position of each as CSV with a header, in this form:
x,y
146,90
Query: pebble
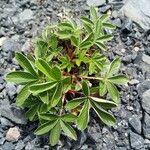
x,y
146,126
13,134
2,39
146,101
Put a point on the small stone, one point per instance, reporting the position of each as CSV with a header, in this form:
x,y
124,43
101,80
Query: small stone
x,y
95,2
11,89
5,122
146,101
146,59
13,134
146,126
134,82
137,142
20,145
135,123
26,15
8,146
136,49
2,39
2,140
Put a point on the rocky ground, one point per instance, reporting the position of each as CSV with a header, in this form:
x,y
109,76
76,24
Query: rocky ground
x,y
22,20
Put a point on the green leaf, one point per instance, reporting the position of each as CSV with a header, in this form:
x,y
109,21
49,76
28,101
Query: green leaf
x,y
68,130
55,134
93,13
85,88
48,116
86,20
31,113
85,44
64,34
105,117
83,117
65,26
57,95
103,103
105,38
23,95
119,79
101,45
112,90
75,41
108,25
45,128
102,88
104,18
56,73
98,28
41,87
75,103
88,27
114,67
20,77
44,67
44,96
25,63
53,42
69,118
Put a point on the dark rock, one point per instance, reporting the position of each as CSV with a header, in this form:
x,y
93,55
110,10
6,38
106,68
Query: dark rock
x,y
127,26
146,126
96,2
136,141
135,123
146,101
138,11
10,45
13,113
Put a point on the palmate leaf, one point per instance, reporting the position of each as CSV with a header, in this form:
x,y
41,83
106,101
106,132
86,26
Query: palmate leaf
x,y
113,91
102,88
86,20
56,73
45,128
104,116
85,88
69,118
101,45
23,94
75,40
119,79
57,95
83,117
88,27
105,38
55,134
44,96
42,87
20,77
65,26
75,103
68,130
25,63
44,67
93,13
108,25
48,116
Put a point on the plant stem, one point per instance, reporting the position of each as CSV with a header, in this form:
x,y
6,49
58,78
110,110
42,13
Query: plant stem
x,y
91,78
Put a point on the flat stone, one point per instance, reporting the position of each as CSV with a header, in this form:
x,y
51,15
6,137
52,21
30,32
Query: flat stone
x,y
13,134
8,146
146,126
138,11
135,123
5,122
146,59
146,101
95,2
20,145
137,142
134,81
11,89
2,39
26,15
13,113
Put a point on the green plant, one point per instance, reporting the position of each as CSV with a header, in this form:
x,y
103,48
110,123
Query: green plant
x,y
67,76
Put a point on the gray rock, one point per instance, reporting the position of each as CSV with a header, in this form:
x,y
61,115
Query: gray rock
x,y
135,123
5,122
146,126
8,146
134,81
2,140
136,141
13,113
143,87
138,11
11,89
146,59
146,101
26,15
10,45
95,2
20,145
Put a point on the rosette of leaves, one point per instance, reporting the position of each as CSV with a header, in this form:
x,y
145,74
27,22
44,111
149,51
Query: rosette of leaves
x,y
67,76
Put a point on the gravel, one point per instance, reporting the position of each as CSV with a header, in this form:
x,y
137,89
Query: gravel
x,y
22,21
